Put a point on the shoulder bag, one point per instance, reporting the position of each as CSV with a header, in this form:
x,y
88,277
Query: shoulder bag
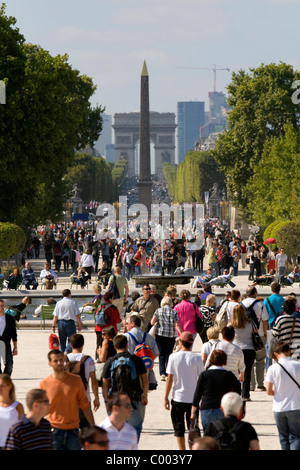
x,y
294,380
199,323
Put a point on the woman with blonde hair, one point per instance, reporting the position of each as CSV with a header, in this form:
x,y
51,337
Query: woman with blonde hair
x,y
10,409
243,338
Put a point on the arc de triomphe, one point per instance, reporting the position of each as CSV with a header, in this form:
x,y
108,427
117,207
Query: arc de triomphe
x,y
162,135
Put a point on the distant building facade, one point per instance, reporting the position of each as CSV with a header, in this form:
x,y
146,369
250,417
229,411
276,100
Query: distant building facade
x,y
190,117
105,139
162,136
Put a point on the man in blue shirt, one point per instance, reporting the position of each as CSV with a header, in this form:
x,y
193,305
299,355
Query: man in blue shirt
x,y
274,305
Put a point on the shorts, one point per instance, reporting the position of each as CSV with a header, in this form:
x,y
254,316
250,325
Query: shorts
x,y
180,414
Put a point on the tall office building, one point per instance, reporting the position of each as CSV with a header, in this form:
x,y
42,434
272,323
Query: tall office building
x,y
190,116
105,138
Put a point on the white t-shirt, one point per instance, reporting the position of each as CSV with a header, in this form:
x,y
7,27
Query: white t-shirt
x,y
281,260
185,366
230,307
287,394
260,311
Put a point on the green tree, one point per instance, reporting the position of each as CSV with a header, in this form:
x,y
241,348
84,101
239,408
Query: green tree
x,y
12,240
47,116
275,184
169,172
288,238
118,173
195,175
93,177
260,105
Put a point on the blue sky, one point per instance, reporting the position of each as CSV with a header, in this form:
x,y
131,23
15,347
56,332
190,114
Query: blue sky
x,y
109,40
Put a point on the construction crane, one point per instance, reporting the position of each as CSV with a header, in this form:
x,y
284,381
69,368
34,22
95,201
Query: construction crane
x,y
214,69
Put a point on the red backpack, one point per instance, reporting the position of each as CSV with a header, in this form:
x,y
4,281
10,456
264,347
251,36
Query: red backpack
x,y
143,351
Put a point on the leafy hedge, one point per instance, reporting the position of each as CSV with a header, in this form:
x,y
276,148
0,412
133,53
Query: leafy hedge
x,y
12,239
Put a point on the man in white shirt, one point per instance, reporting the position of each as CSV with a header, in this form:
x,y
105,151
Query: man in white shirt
x,y
281,263
286,393
262,317
133,327
66,313
222,279
121,435
77,344
235,356
183,369
48,277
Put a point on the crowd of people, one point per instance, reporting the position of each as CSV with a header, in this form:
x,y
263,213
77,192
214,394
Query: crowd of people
x,y
80,251
247,342
211,387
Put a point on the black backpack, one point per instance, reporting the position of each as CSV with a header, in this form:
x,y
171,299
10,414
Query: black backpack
x,y
250,313
226,437
123,378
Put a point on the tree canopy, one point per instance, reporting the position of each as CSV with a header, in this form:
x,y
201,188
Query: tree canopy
x,y
260,105
195,175
47,116
275,184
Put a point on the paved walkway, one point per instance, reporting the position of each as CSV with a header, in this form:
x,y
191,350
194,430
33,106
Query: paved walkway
x,y
30,366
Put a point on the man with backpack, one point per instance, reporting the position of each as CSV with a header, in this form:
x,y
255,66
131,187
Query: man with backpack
x,y
256,310
117,284
231,432
126,373
84,366
136,336
274,305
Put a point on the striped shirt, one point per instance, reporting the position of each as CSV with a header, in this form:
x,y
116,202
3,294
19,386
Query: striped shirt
x,y
25,435
125,439
282,331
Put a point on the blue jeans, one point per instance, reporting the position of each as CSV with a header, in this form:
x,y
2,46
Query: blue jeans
x,y
66,328
207,416
288,425
215,267
136,418
129,271
235,265
66,439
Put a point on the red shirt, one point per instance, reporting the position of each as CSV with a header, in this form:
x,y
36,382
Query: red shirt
x,y
114,316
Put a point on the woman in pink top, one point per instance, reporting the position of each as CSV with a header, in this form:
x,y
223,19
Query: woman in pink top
x,y
187,311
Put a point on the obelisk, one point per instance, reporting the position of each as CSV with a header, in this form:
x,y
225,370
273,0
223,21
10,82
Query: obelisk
x,y
145,183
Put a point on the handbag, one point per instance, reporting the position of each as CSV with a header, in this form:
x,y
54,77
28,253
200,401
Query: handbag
x,y
194,431
99,371
257,341
153,330
199,323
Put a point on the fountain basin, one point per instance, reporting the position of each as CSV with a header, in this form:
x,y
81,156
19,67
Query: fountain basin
x,y
162,282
